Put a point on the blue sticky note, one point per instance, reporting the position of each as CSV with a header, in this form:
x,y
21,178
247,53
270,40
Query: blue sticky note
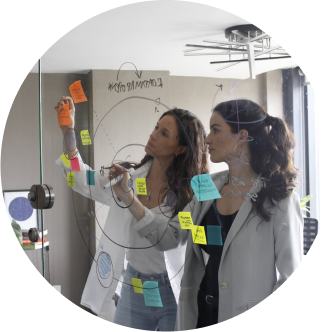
x,y
151,294
90,178
204,187
214,235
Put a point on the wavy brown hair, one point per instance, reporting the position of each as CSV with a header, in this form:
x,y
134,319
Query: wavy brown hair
x,y
271,148
191,134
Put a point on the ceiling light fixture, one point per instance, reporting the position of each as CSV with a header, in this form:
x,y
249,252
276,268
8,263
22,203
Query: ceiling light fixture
x,y
246,40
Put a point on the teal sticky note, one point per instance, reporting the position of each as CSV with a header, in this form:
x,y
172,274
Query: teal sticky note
x,y
151,294
90,178
204,187
214,235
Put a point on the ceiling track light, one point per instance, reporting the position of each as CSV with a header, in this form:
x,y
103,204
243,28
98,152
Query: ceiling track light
x,y
247,40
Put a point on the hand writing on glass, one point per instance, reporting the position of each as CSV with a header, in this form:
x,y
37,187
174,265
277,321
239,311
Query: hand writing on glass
x,y
121,188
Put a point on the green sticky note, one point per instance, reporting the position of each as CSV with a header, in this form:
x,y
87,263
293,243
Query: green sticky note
x,y
214,235
151,294
204,188
90,178
137,283
198,234
185,220
85,137
71,179
65,160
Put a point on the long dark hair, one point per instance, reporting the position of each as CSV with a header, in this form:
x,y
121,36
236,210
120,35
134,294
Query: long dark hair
x,y
271,147
185,166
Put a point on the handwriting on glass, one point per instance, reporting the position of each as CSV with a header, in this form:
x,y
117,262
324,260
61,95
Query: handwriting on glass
x,y
248,195
146,84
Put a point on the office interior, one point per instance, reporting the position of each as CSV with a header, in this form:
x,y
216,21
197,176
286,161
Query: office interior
x,y
149,44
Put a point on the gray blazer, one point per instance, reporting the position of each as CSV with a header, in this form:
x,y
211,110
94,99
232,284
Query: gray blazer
x,y
252,253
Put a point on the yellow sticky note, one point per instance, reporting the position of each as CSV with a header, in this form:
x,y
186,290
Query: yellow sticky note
x,y
198,234
141,186
66,160
185,220
85,137
137,283
71,179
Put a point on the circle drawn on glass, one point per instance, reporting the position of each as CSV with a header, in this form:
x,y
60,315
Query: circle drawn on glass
x,y
104,265
20,209
171,199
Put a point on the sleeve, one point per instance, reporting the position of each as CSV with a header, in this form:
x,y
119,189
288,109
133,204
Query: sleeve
x,y
96,191
288,235
165,235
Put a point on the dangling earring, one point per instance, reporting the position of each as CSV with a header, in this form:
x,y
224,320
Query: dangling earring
x,y
176,155
239,148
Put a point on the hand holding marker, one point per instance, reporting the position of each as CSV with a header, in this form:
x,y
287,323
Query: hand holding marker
x,y
116,169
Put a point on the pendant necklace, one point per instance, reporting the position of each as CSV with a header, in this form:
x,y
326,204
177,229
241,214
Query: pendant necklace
x,y
148,197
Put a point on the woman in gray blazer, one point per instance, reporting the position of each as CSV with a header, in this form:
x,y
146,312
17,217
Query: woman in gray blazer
x,y
254,230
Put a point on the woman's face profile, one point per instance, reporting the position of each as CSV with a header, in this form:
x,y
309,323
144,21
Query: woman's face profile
x,y
163,141
221,140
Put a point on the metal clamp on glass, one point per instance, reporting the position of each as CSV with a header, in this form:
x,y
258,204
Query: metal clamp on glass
x,y
41,196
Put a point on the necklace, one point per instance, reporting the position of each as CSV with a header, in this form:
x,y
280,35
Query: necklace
x,y
148,197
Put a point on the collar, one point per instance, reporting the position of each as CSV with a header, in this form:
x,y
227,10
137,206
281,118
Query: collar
x,y
143,170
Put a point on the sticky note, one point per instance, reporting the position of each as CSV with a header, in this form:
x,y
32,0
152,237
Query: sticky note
x,y
75,165
214,235
71,179
141,186
185,220
90,178
65,159
137,283
64,115
151,294
76,92
204,188
198,234
85,137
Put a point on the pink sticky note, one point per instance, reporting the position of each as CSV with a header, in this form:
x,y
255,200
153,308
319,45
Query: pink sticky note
x,y
75,166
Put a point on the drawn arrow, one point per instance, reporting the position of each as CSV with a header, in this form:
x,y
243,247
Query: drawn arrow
x,y
156,109
219,86
100,244
138,75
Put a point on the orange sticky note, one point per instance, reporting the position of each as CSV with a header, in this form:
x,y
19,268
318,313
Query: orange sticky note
x,y
77,92
64,115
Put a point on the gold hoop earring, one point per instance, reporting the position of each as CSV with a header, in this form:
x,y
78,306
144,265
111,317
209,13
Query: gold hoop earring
x,y
239,148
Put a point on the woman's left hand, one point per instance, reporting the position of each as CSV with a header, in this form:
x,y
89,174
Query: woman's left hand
x,y
121,188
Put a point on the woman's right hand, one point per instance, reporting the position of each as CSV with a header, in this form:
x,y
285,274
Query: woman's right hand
x,y
66,121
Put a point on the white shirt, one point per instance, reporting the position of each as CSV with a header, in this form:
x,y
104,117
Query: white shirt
x,y
97,294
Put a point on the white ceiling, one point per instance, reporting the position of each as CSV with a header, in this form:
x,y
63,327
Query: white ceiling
x,y
151,35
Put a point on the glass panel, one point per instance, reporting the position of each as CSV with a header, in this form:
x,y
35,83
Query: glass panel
x,y
195,203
